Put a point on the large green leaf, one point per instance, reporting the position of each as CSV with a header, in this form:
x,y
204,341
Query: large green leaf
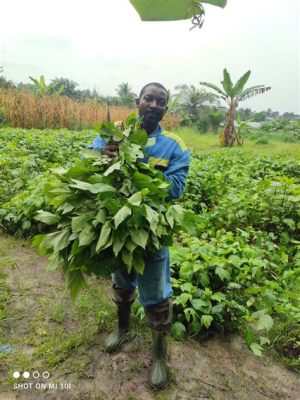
x,y
56,240
121,215
214,87
96,188
227,83
46,217
75,281
170,10
140,237
239,86
104,236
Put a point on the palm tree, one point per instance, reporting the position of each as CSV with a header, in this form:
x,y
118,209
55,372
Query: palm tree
x,y
191,99
233,94
127,97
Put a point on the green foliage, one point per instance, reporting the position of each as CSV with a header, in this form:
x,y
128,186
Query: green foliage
x,y
262,140
42,89
126,96
109,213
232,94
241,270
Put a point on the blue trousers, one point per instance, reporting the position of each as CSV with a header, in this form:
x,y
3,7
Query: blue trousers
x,y
155,283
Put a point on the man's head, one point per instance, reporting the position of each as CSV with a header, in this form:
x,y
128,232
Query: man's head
x,y
152,104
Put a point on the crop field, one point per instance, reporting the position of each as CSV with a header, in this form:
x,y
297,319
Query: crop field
x,y
236,279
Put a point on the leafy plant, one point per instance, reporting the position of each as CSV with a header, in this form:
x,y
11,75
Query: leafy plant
x,y
109,213
232,95
41,89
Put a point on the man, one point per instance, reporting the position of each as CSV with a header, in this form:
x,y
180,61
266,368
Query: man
x,y
168,153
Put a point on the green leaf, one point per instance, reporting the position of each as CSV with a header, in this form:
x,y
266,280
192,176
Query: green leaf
x,y
214,87
256,349
46,217
127,258
265,321
139,137
227,83
86,236
239,86
138,263
79,222
37,240
186,287
100,217
206,320
152,217
139,236
75,281
199,304
115,167
130,245
118,242
53,262
95,188
222,273
104,236
121,215
135,199
56,240
178,330
184,298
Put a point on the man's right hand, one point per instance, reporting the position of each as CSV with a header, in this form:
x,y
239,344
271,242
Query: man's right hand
x,y
111,149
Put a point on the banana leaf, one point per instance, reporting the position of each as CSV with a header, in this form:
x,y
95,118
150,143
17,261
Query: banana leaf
x,y
171,10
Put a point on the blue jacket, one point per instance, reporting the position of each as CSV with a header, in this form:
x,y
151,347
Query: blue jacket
x,y
165,151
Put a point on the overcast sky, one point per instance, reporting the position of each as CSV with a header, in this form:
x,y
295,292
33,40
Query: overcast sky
x,y
101,43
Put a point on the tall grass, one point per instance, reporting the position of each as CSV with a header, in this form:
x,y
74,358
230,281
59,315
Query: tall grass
x,y
23,109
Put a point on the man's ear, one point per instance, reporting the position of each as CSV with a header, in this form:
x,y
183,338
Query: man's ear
x,y
137,100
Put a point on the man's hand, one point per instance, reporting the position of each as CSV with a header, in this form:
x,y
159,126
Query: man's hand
x,y
111,149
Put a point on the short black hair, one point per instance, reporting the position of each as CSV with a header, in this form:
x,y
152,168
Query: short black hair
x,y
156,84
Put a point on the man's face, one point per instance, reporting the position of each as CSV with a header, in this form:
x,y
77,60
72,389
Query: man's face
x,y
152,105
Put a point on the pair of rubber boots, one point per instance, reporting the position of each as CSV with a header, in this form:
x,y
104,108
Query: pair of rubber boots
x,y
159,319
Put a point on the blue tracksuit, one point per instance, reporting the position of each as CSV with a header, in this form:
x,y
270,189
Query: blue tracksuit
x,y
168,153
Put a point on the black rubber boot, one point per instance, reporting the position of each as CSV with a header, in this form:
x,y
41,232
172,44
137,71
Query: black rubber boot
x,y
159,317
123,300
159,371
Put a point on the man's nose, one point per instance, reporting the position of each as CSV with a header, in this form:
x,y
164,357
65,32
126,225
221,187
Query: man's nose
x,y
154,104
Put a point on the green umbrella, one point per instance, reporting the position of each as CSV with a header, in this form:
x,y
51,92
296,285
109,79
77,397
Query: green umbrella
x,y
172,10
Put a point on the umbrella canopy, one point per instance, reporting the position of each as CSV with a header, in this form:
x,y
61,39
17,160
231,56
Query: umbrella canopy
x,y
171,10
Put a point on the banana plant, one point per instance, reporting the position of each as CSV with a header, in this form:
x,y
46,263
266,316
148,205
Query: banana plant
x,y
232,94
41,89
172,10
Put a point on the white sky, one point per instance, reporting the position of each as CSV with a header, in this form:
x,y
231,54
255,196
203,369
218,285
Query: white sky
x,y
101,43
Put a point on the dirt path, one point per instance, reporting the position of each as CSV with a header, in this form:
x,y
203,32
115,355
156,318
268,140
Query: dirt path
x,y
45,331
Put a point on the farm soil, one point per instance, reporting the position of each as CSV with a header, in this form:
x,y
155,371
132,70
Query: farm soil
x,y
217,368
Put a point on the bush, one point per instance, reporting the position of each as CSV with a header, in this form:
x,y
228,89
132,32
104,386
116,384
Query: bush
x,y
262,140
202,124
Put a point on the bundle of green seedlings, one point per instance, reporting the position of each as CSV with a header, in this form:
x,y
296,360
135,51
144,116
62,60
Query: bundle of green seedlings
x,y
109,213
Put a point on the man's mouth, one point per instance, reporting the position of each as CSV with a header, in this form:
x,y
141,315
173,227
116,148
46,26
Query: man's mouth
x,y
151,113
